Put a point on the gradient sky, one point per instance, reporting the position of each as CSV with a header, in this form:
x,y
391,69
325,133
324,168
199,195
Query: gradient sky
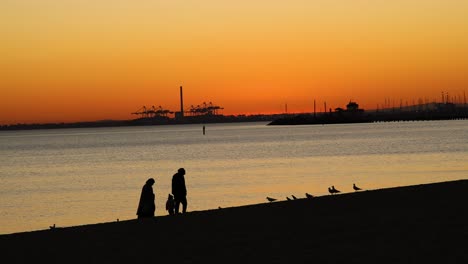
x,y
84,60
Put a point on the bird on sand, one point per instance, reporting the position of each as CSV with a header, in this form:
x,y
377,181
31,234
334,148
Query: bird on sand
x,y
330,190
308,195
271,199
356,188
287,198
335,190
294,197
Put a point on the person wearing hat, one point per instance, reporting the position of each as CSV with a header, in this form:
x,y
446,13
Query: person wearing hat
x,y
179,191
146,206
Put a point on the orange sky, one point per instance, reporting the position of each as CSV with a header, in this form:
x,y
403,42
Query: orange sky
x,y
83,60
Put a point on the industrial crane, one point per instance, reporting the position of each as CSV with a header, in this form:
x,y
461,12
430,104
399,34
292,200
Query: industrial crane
x,y
204,109
152,112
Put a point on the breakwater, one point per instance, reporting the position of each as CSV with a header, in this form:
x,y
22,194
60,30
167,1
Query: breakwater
x,y
343,117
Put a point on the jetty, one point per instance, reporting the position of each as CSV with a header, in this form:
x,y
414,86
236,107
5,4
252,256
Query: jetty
x,y
353,114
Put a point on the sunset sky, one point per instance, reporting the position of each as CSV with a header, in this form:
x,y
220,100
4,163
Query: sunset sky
x,y
85,60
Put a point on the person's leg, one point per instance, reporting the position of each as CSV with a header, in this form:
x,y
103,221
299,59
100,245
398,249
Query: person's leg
x,y
184,204
176,205
171,209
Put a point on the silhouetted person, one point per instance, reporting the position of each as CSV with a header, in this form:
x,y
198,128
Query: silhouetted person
x,y
179,190
146,206
170,204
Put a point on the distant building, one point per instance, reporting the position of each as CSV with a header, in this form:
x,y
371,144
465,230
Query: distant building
x,y
339,109
352,107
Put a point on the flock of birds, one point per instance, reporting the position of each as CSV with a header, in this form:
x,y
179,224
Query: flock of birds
x,y
332,190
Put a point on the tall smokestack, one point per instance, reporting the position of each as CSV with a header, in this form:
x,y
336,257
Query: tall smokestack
x,y
181,103
314,108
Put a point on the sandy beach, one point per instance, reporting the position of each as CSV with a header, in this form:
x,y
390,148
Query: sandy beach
x,y
425,223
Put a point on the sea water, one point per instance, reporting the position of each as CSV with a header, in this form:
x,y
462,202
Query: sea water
x,y
70,177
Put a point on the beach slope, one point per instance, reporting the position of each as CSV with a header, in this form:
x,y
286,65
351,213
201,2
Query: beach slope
x,y
413,224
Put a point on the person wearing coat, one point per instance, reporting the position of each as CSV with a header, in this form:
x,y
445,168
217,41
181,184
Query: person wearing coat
x,y
146,206
179,191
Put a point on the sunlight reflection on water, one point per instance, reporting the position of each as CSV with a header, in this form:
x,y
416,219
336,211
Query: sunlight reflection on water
x,y
91,175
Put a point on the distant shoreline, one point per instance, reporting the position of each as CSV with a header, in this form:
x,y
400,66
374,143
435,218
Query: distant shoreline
x,y
345,117
432,111
144,122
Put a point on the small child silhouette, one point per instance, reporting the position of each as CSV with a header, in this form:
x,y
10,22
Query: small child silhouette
x,y
170,204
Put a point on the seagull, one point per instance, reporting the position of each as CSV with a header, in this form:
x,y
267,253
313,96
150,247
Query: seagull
x,y
287,198
294,197
271,199
356,188
335,190
308,195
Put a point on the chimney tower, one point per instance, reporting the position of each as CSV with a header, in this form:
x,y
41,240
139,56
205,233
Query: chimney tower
x,y
181,103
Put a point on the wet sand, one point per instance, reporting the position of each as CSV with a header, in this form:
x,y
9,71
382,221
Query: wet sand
x,y
414,224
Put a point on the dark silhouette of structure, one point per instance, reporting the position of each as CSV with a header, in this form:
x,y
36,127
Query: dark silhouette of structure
x,y
179,191
449,108
353,114
181,103
204,109
146,205
205,112
152,112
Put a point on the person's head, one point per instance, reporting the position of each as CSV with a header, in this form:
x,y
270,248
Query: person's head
x,y
150,181
181,171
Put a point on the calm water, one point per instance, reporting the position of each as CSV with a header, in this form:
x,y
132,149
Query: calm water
x,y
91,175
